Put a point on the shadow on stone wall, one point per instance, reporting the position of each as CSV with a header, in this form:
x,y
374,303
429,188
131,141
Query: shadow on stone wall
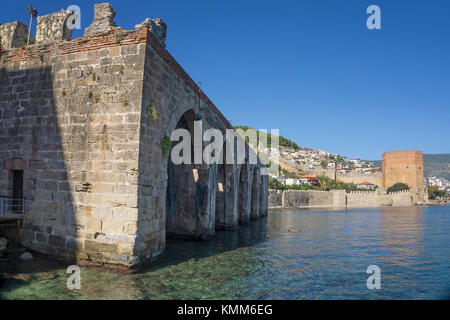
x,y
30,129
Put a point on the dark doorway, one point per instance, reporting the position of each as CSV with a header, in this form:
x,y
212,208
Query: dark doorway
x,y
17,190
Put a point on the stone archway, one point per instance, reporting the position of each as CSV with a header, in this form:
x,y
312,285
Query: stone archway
x,y
190,193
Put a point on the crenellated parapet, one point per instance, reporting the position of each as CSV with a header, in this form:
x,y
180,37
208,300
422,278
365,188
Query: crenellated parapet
x,y
400,192
371,193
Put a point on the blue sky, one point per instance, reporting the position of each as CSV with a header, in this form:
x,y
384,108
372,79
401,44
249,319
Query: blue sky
x,y
310,68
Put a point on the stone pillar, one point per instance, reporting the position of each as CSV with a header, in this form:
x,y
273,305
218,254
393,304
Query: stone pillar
x,y
256,184
205,199
181,219
231,197
12,35
54,26
245,193
227,197
264,196
220,197
103,19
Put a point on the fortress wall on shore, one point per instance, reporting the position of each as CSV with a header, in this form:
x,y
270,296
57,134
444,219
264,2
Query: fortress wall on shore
x,y
312,198
350,177
275,198
341,199
362,199
359,177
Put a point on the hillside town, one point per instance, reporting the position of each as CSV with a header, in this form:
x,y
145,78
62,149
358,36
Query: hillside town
x,y
441,183
305,166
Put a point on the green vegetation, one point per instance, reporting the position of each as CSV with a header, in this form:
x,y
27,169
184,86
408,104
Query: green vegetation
x,y
275,184
326,184
166,146
119,37
398,187
284,142
154,113
25,38
434,192
288,175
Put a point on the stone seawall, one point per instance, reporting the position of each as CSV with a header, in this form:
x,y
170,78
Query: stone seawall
x,y
311,198
341,199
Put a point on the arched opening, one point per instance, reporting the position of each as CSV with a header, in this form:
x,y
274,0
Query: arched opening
x,y
190,192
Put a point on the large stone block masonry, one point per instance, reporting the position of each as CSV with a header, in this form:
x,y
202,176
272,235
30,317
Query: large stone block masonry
x,y
12,35
103,19
54,26
85,120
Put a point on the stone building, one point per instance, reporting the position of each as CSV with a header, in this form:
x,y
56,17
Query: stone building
x,y
403,166
84,125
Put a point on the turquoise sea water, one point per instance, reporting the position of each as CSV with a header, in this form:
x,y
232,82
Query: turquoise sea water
x,y
326,259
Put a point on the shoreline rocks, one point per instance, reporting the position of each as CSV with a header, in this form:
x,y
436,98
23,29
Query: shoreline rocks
x,y
26,256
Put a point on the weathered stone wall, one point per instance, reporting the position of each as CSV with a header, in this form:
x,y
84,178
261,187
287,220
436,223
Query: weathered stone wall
x,y
359,177
275,198
362,199
350,177
12,35
53,27
86,120
103,19
307,198
403,166
157,26
168,95
339,198
73,114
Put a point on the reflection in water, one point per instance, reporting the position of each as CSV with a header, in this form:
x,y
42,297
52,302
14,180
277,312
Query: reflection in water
x,y
326,259
402,234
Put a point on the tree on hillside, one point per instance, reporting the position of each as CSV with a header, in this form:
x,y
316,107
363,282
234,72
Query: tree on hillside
x,y
275,184
434,192
400,186
283,142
